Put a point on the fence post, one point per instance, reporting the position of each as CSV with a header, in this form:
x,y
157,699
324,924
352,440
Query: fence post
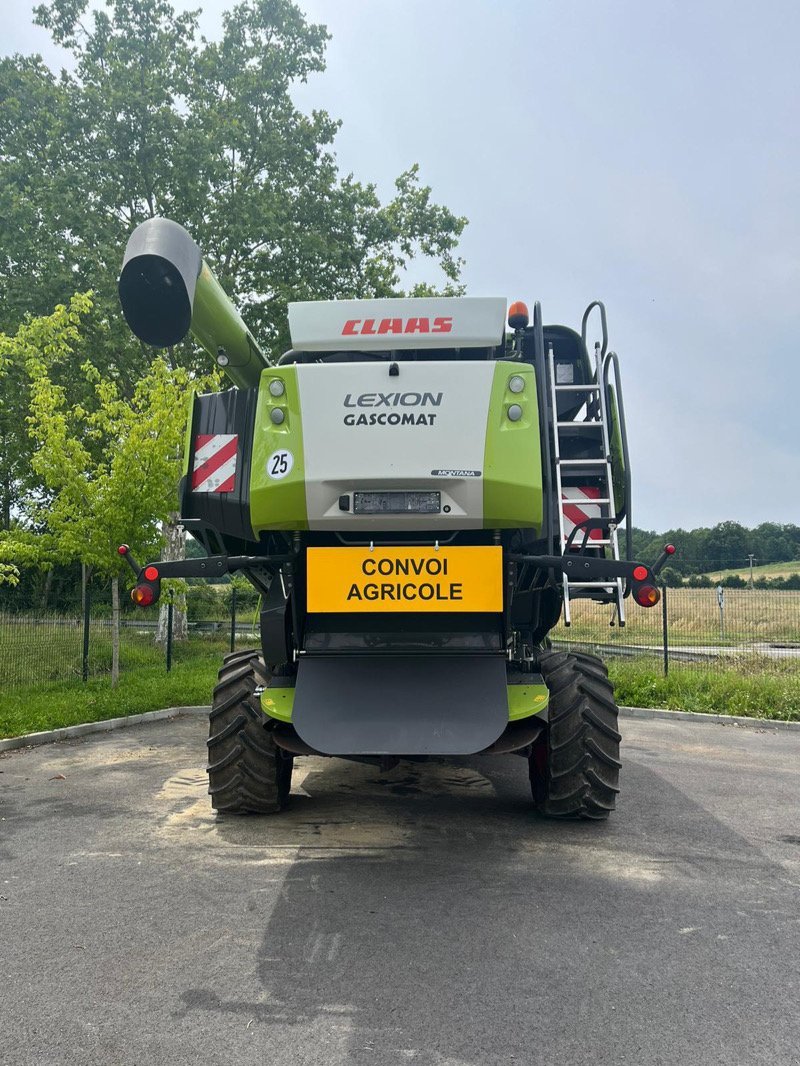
x,y
87,611
169,632
665,628
233,618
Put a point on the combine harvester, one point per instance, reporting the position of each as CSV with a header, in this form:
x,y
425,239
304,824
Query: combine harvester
x,y
417,495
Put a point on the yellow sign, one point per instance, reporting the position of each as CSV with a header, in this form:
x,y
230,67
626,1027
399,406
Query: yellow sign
x,y
405,579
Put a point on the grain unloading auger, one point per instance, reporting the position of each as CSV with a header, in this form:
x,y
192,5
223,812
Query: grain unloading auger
x,y
418,496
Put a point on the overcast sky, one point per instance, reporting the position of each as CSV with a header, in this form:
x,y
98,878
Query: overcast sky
x,y
645,154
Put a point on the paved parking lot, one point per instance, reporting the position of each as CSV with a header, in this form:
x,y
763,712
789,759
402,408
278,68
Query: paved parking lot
x,y
421,916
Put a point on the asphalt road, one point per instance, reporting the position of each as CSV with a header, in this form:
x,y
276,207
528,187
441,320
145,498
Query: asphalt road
x,y
421,916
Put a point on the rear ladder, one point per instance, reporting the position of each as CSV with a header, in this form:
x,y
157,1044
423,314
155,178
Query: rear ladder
x,y
597,466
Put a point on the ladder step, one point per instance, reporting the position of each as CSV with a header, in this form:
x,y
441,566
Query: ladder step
x,y
586,502
581,462
577,388
589,543
592,584
580,425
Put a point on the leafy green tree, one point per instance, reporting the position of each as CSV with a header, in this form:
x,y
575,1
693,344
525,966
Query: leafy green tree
x,y
153,120
110,467
671,577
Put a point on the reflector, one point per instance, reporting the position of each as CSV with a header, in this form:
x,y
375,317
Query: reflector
x,y
646,595
143,595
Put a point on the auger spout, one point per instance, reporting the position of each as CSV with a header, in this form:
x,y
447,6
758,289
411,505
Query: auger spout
x,y
168,290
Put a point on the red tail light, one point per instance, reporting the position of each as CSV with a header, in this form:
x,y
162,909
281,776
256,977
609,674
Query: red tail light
x,y
646,595
143,595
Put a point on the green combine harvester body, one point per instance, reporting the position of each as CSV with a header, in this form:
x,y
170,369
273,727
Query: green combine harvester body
x,y
418,496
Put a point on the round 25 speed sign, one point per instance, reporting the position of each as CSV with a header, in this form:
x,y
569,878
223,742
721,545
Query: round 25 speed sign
x,y
280,464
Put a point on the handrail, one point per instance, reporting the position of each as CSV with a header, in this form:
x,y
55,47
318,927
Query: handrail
x,y
612,359
602,308
545,423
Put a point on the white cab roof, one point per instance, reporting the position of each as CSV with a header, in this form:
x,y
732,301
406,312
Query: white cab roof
x,y
378,325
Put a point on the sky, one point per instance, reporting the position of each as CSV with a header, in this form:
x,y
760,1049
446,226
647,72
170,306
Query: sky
x,y
645,154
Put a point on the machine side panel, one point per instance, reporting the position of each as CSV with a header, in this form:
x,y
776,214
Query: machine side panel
x,y
277,480
512,478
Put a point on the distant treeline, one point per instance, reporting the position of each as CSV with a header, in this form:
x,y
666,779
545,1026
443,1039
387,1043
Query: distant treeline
x,y
726,546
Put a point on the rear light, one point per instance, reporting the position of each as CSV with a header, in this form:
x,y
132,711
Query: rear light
x,y
646,595
639,573
151,573
143,595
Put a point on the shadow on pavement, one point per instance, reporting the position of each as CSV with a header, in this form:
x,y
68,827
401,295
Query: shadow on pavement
x,y
428,916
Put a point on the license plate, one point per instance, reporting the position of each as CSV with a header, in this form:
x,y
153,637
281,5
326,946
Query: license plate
x,y
405,579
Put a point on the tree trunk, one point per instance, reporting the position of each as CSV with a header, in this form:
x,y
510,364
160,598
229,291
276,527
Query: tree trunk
x,y
114,632
174,549
48,584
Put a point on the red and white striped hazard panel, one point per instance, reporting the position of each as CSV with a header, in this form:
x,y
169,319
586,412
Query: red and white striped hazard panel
x,y
577,507
214,465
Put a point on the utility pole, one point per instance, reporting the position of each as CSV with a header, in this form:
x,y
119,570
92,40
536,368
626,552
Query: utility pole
x,y
752,559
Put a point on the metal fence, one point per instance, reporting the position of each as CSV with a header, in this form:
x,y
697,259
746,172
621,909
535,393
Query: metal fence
x,y
52,647
698,629
692,629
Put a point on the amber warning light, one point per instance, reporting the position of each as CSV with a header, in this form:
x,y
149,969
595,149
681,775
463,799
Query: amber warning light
x,y
518,317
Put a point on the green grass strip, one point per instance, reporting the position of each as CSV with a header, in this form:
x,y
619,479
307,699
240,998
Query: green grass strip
x,y
771,694
33,708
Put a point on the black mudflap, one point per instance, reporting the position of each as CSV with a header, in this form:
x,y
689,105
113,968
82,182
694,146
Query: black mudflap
x,y
400,704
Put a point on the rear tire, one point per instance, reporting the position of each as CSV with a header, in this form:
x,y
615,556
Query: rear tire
x,y
574,767
247,772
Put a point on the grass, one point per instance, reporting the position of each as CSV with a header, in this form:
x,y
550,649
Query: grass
x,y
740,689
743,689
32,708
747,684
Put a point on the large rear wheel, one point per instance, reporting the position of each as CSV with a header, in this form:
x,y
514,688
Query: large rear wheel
x,y
247,772
574,767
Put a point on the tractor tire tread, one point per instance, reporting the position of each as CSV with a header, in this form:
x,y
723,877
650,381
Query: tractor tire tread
x,y
247,772
575,766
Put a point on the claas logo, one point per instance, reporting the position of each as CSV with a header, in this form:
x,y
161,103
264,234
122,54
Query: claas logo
x,y
373,327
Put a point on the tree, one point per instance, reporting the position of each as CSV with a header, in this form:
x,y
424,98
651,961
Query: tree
x,y
110,467
671,577
155,121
